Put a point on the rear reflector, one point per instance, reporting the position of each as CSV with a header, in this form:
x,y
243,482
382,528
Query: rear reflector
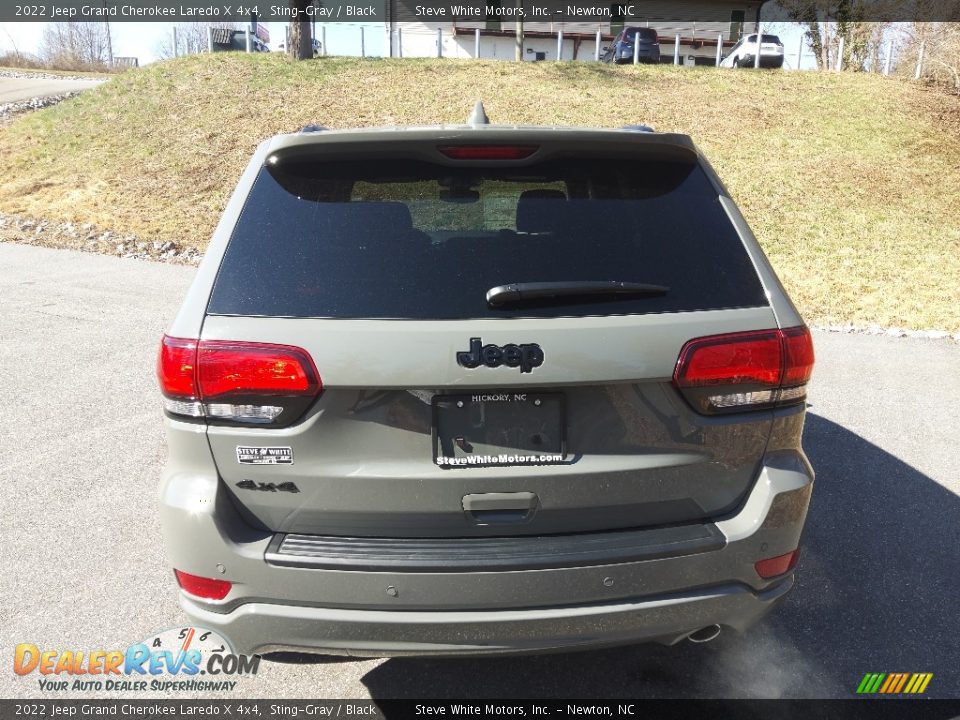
x,y
198,379
487,152
735,371
202,587
771,567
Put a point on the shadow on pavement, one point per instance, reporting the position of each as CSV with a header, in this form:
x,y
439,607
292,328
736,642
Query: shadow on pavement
x,y
298,658
877,591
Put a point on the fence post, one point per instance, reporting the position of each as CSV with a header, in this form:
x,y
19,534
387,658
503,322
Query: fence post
x,y
719,48
476,43
886,66
756,59
249,44
210,39
176,51
840,56
363,43
676,50
919,71
439,42
596,51
399,43
800,52
560,44
636,50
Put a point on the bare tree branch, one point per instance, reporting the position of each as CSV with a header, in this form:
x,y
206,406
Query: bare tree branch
x,y
191,38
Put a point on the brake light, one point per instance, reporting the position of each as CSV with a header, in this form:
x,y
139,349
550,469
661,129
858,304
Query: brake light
x,y
771,567
230,368
736,371
488,152
175,367
208,588
227,380
798,363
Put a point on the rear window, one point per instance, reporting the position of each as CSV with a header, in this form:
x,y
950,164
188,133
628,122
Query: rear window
x,y
645,33
413,240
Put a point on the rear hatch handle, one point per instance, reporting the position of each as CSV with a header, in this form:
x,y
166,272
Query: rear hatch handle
x,y
501,508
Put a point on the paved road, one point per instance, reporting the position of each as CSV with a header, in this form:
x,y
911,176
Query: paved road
x,y
17,89
82,566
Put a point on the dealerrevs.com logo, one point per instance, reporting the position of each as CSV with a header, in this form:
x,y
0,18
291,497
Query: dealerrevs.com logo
x,y
187,659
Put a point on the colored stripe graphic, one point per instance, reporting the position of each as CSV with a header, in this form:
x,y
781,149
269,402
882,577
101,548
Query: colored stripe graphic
x,y
903,681
894,683
891,680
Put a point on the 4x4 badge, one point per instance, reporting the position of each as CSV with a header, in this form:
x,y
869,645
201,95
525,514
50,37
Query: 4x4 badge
x,y
527,357
268,486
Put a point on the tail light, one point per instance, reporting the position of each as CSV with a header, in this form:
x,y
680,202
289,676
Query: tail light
x,y
488,152
771,567
751,370
207,588
236,382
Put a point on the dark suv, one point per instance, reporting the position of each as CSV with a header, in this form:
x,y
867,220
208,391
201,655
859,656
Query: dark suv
x,y
482,389
622,49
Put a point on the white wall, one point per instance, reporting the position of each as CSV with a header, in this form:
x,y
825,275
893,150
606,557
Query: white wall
x,y
424,44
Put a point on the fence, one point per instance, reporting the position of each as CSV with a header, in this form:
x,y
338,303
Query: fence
x,y
369,41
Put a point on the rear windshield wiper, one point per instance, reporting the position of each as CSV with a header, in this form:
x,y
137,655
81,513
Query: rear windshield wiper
x,y
534,292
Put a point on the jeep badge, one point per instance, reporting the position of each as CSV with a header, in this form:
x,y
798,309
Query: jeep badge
x,y
527,357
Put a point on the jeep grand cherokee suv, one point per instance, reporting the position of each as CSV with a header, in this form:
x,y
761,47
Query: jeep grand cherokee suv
x,y
482,389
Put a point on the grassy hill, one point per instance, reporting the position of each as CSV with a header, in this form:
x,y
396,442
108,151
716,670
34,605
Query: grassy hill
x,y
851,182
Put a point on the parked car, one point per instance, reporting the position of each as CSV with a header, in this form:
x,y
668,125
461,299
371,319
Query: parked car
x,y
744,53
314,43
477,389
621,51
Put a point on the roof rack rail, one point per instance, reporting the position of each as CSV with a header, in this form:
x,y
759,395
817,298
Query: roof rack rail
x,y
638,128
311,128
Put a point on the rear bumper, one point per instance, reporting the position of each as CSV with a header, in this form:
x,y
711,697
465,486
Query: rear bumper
x,y
423,611
766,61
646,53
645,58
264,628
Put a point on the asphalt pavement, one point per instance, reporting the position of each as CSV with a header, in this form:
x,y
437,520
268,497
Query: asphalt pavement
x,y
15,89
84,568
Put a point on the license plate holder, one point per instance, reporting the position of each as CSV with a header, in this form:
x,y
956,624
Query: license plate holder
x,y
499,428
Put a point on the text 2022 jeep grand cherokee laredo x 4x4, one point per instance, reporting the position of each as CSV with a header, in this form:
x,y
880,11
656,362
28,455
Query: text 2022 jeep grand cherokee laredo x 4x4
x,y
482,389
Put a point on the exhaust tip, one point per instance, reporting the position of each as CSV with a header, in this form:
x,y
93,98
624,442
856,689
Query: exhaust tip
x,y
704,634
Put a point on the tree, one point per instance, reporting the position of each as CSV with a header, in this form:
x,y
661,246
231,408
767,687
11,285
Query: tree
x,y
828,22
76,45
300,41
191,38
933,50
518,49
